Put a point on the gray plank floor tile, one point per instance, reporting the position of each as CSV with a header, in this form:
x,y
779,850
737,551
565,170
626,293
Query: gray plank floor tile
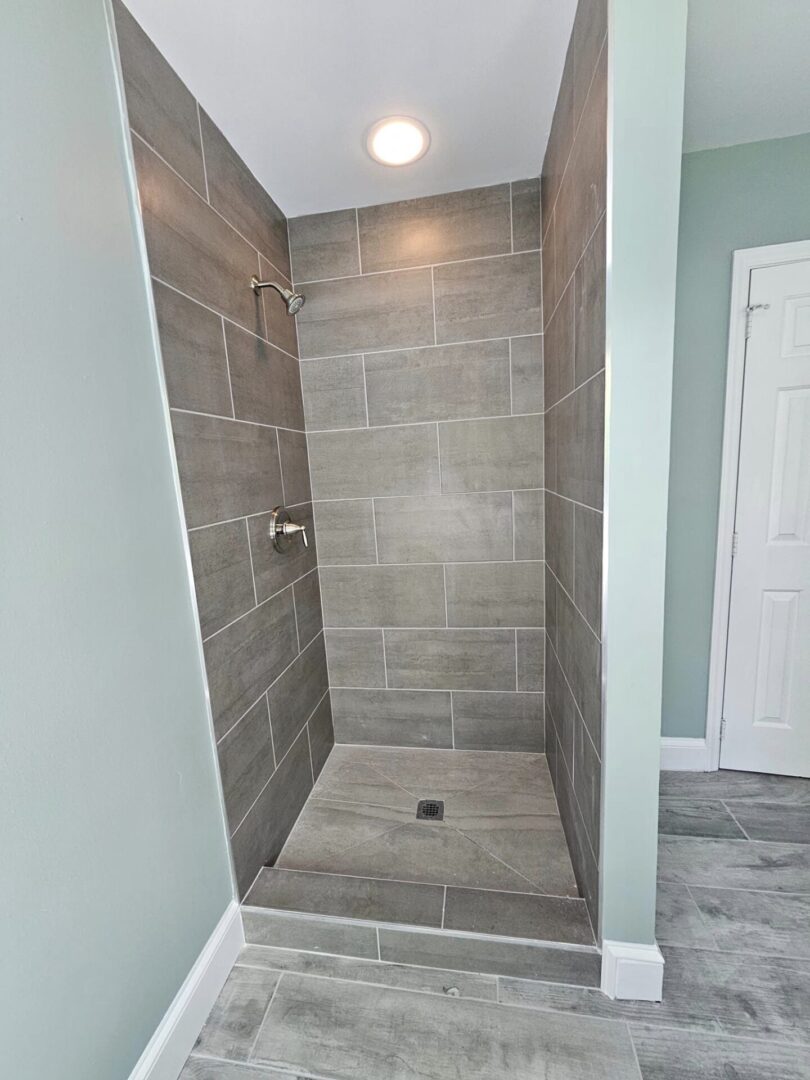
x,y
773,821
678,920
547,918
231,1029
706,990
348,897
698,817
309,933
204,1068
365,1033
758,922
401,976
727,785
678,1055
579,967
734,864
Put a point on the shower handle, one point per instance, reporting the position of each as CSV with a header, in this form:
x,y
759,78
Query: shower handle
x,y
283,530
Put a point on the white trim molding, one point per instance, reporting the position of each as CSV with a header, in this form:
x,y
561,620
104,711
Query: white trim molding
x,y
685,755
632,972
167,1050
745,260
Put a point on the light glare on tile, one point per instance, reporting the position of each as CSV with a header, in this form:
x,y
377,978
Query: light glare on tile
x,y
398,140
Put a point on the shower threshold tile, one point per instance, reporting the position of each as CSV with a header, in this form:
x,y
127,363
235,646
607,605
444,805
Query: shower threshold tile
x,y
545,918
348,897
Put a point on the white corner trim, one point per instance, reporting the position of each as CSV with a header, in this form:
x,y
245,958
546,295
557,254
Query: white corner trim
x,y
687,755
632,972
167,1050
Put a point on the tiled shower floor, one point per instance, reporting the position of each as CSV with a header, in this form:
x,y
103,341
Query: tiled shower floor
x,y
497,864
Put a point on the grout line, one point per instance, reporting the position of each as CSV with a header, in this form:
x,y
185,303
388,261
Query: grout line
x,y
379,950
365,386
207,204
517,678
514,535
512,222
400,348
444,588
419,423
227,368
417,266
511,397
280,470
439,458
272,739
570,393
264,1017
252,569
309,746
433,299
585,247
734,818
422,495
385,657
376,546
357,234
452,723
571,599
228,319
444,905
238,420
260,603
295,617
440,690
202,154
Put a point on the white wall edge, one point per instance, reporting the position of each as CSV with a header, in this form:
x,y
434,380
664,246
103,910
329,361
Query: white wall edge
x,y
685,755
167,1050
632,972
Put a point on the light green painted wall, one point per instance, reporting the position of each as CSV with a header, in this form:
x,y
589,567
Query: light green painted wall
x,y
647,58
735,197
114,865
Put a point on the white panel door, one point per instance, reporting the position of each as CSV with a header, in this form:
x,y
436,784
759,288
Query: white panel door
x,y
766,705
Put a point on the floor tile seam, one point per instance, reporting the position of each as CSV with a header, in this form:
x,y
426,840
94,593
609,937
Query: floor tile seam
x,y
315,798
264,1015
737,840
270,1070
433,884
702,917
486,851
341,851
734,818
734,888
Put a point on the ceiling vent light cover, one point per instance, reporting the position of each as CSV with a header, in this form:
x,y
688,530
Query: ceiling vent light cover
x,y
398,140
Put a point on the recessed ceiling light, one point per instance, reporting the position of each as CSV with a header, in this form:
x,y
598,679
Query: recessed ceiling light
x,y
398,140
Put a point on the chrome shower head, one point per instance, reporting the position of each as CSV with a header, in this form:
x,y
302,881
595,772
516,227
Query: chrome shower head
x,y
293,300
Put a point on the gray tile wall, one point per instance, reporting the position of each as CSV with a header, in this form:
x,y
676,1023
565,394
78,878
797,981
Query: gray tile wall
x,y
234,386
422,369
573,208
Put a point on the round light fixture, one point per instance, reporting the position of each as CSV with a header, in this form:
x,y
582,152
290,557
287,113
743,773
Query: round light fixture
x,y
398,140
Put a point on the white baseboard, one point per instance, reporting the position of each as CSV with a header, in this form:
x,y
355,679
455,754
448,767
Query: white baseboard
x,y
689,755
632,972
167,1050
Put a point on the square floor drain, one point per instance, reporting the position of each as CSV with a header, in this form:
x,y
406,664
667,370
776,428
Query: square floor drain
x,y
430,810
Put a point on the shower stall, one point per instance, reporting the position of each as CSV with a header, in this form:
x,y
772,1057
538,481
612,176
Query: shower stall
x,y
388,426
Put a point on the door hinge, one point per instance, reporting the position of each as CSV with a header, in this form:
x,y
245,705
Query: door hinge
x,y
735,543
749,311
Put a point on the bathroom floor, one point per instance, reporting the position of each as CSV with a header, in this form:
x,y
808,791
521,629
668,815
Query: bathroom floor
x,y
496,863
733,911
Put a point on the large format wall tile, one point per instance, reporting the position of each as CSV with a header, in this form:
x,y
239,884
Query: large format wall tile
x,y
527,373
324,246
191,247
495,594
448,382
246,761
345,531
383,595
294,695
160,108
265,381
355,657
441,528
233,381
244,658
392,717
380,461
383,311
526,216
192,347
451,659
488,298
227,469
440,228
334,393
492,455
240,198
498,722
220,557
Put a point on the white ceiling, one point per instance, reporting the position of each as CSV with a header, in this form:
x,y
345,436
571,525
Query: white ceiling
x,y
747,73
295,86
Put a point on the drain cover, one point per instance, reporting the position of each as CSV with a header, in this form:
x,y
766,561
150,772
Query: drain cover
x,y
430,810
